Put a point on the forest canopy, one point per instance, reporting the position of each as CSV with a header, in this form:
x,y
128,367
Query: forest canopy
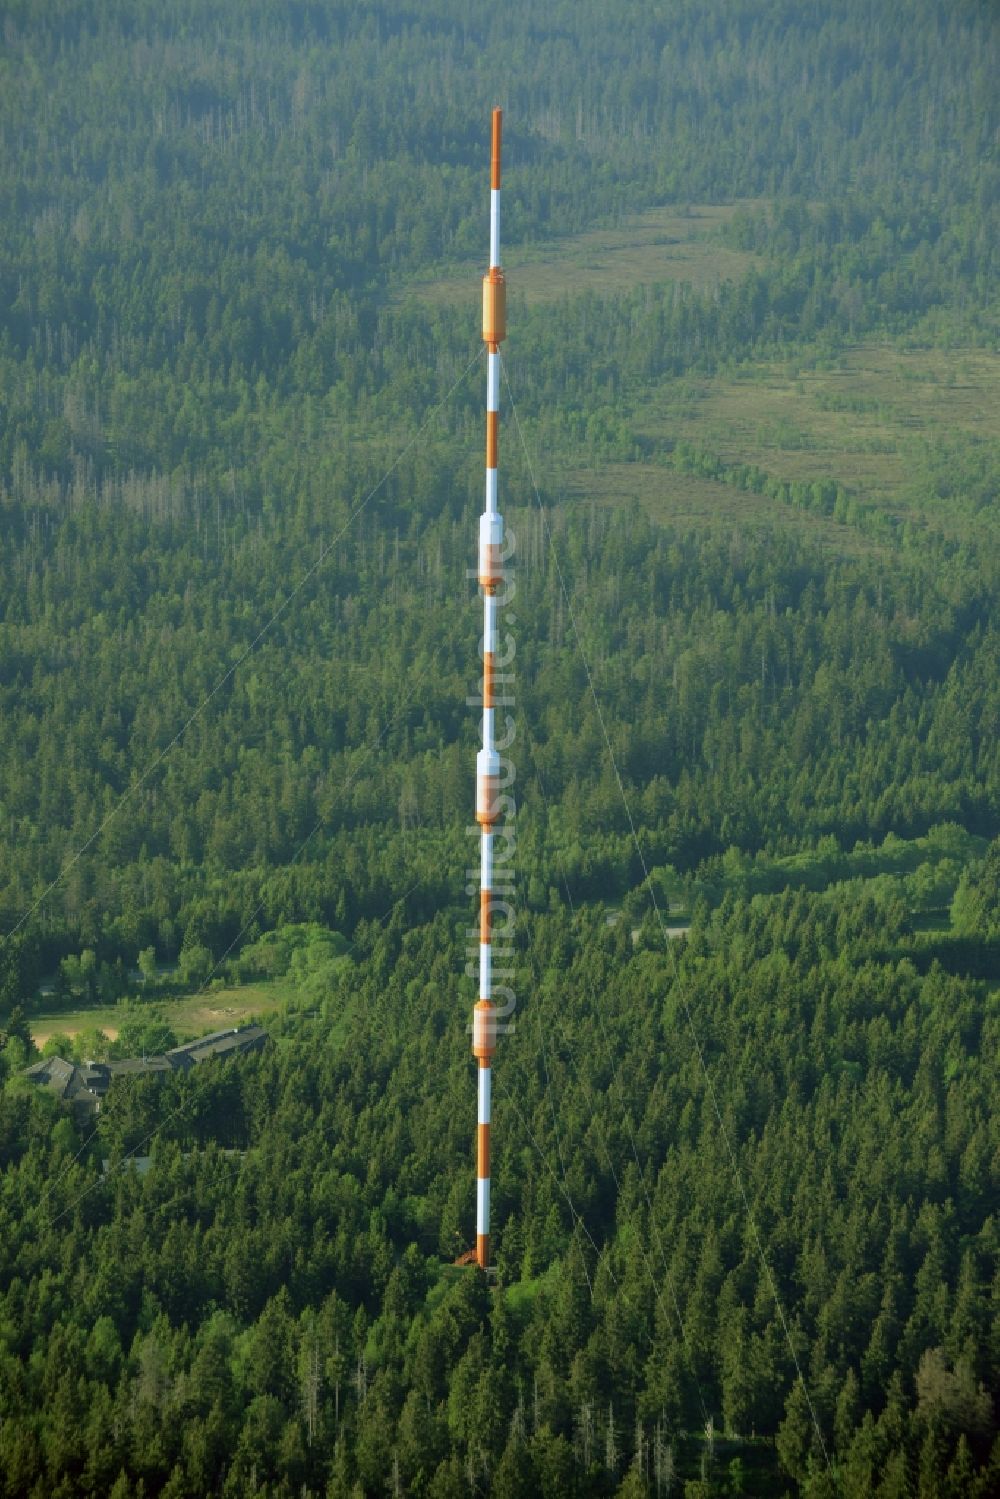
x,y
745,1175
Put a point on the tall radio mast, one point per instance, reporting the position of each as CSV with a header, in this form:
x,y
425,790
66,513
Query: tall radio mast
x,y
488,760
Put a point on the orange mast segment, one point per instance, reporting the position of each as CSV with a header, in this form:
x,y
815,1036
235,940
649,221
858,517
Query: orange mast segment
x,y
495,161
488,761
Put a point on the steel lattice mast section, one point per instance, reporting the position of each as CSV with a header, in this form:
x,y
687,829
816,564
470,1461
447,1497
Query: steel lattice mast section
x,y
488,760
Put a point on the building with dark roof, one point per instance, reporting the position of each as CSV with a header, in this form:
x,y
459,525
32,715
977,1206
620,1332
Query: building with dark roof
x,y
54,1073
229,1043
138,1066
84,1085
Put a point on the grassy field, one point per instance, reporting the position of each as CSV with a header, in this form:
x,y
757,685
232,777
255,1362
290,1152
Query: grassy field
x,y
188,1016
686,500
865,421
663,244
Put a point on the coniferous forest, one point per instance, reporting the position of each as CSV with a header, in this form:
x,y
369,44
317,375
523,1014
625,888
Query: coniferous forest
x,y
746,1152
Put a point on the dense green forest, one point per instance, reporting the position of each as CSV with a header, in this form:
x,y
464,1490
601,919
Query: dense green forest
x,y
746,1179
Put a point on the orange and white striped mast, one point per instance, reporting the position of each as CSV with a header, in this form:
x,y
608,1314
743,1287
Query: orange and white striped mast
x,y
488,760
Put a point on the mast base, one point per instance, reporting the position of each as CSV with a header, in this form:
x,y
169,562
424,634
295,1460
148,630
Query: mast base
x,y
470,1261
